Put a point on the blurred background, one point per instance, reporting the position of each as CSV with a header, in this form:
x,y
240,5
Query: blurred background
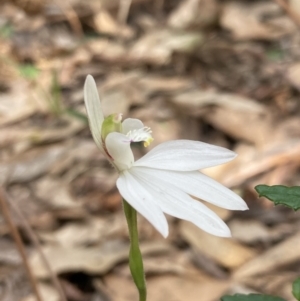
x,y
223,72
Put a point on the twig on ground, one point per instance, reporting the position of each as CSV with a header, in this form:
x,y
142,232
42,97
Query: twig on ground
x,y
19,244
71,16
289,11
123,12
37,245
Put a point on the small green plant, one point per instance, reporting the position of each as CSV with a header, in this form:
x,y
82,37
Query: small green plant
x,y
279,195
28,71
6,31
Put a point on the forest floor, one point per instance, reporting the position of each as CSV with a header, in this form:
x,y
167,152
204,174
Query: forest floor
x,y
222,72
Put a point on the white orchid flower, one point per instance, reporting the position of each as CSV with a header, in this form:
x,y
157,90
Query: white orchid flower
x,y
162,180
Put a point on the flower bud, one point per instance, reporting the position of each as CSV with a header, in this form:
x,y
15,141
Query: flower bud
x,y
111,123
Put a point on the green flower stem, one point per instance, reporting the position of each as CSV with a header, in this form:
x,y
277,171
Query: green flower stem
x,y
135,255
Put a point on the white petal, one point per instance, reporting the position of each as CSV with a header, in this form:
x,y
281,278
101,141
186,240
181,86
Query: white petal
x,y
185,155
93,108
142,201
131,124
175,202
118,147
199,185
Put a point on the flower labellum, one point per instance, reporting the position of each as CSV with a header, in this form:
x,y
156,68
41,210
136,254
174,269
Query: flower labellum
x,y
163,180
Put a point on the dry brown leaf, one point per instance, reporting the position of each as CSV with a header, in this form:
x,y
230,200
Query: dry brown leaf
x,y
80,151
8,72
168,288
282,254
236,124
229,113
8,253
225,251
113,4
295,6
256,231
156,47
193,102
140,85
293,75
17,103
106,24
194,13
164,84
89,232
175,264
30,166
55,193
38,135
250,162
106,50
47,291
257,20
30,6
14,283
91,260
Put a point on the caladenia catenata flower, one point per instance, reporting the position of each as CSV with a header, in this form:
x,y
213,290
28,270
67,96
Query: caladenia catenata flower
x,y
162,180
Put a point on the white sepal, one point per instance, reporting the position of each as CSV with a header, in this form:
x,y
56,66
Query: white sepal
x,y
185,155
94,110
142,201
175,202
197,184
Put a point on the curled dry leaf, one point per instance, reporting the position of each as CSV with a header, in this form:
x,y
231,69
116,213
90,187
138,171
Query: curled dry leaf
x,y
282,254
48,292
194,100
39,135
176,264
169,287
293,75
257,20
108,51
106,24
91,260
91,231
31,166
256,231
8,253
17,103
251,163
113,4
194,14
62,197
229,113
295,6
224,251
156,47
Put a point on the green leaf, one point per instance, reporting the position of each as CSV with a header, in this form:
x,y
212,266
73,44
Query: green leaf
x,y
296,289
28,71
6,31
251,297
275,55
77,115
288,196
